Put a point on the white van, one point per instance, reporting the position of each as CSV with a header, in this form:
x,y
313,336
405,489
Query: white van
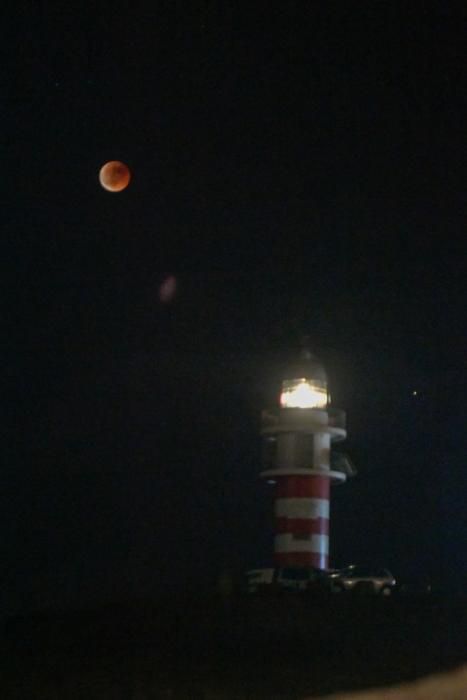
x,y
288,578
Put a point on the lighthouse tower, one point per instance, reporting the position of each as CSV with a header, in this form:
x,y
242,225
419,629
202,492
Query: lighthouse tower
x,y
298,461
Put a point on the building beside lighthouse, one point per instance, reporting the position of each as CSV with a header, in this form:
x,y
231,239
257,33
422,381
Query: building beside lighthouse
x,y
300,462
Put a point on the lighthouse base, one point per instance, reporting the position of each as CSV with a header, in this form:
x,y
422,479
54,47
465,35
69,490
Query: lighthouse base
x,y
317,560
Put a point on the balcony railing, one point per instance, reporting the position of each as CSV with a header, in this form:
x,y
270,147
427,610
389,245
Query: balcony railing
x,y
337,418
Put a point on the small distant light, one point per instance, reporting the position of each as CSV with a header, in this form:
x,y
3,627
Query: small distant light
x,y
415,393
271,482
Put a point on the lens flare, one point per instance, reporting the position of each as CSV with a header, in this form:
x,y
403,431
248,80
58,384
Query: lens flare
x,y
168,289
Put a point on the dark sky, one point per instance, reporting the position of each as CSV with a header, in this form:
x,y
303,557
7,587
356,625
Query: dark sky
x,y
299,170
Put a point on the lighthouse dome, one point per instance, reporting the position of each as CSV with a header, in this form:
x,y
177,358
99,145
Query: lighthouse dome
x,y
305,383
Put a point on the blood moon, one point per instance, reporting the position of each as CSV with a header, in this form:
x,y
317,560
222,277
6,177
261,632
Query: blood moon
x,y
114,176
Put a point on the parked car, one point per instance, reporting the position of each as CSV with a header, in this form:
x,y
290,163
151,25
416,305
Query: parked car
x,y
360,578
286,579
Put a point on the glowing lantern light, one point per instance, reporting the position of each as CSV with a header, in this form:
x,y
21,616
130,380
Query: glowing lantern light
x,y
303,393
305,384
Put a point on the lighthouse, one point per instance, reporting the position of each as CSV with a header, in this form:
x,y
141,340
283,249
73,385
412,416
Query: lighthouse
x,y
300,463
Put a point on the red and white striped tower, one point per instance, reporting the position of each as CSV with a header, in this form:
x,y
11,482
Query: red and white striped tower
x,y
300,434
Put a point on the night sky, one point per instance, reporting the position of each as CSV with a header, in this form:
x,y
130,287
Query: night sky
x,y
298,170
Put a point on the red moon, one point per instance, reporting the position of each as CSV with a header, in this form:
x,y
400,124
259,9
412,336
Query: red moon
x,y
114,176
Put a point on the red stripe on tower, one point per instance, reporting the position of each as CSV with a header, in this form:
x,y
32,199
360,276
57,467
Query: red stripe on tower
x,y
318,561
293,486
301,526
